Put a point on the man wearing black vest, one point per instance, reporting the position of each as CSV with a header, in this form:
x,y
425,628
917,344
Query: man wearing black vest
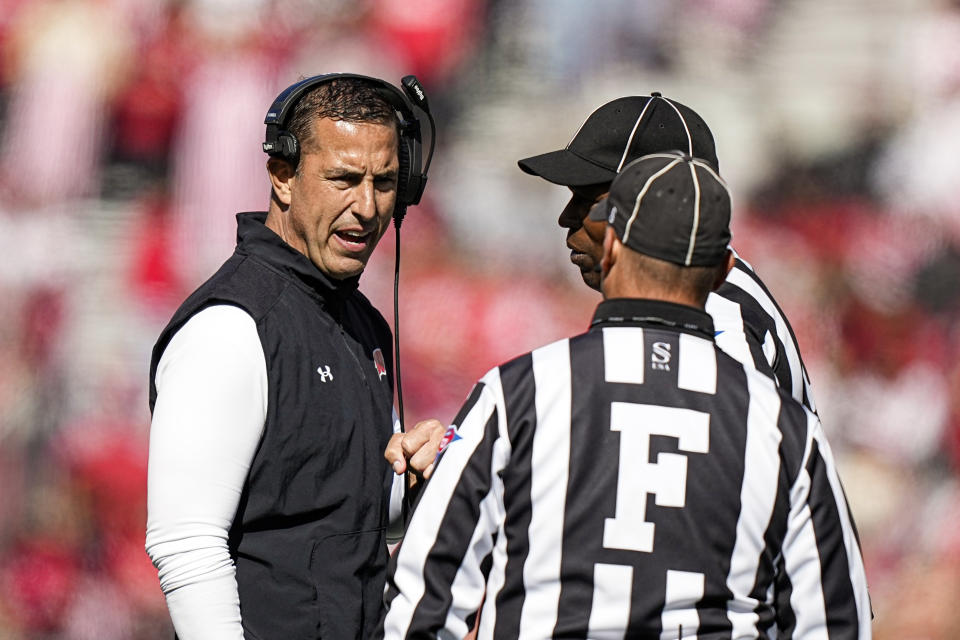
x,y
272,393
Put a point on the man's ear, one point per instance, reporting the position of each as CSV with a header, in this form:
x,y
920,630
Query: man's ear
x,y
281,174
611,251
724,271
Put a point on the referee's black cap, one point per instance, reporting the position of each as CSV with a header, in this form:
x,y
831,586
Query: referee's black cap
x,y
670,206
620,131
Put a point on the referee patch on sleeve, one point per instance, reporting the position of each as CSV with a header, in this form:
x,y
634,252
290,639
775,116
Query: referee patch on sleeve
x,y
450,436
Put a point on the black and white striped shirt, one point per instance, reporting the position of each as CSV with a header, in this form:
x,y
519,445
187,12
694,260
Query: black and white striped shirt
x,y
633,480
751,327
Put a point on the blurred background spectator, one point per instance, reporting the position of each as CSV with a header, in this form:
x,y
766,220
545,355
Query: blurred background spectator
x,y
130,134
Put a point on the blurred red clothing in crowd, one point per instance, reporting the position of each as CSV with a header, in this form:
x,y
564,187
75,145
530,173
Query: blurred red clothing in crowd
x,y
37,581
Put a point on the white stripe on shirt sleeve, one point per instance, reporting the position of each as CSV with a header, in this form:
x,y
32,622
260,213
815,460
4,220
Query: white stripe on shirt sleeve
x,y
208,420
855,568
742,280
548,488
397,492
424,526
758,497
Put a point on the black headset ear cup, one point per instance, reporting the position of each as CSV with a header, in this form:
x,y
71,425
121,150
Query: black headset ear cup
x,y
403,173
289,148
409,156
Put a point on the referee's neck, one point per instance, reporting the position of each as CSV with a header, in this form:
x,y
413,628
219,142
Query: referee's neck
x,y
646,290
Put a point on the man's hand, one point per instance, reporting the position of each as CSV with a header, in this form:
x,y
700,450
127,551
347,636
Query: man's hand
x,y
416,450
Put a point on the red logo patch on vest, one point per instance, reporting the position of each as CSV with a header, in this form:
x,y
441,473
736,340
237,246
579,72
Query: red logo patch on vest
x,y
379,363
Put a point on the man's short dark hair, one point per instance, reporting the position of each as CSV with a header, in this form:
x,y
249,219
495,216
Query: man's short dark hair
x,y
349,99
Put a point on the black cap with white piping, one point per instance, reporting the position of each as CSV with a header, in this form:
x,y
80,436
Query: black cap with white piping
x,y
670,206
621,131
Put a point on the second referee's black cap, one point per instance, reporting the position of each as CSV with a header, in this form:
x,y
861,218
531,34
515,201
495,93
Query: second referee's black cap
x,y
620,131
670,206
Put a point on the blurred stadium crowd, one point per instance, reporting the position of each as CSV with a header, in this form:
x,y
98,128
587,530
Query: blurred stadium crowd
x,y
130,135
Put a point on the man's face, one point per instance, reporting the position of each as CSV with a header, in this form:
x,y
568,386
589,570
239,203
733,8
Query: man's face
x,y
585,236
342,198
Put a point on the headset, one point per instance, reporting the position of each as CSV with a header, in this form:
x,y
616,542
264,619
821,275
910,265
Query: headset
x,y
412,175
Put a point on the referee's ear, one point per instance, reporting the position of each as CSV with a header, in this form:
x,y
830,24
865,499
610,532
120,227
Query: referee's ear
x,y
611,251
722,273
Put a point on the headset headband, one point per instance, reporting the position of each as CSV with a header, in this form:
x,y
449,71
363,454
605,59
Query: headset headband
x,y
288,98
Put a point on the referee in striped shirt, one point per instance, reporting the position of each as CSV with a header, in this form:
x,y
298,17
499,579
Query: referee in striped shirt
x,y
635,481
750,325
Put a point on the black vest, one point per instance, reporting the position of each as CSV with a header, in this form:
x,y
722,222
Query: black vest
x,y
308,538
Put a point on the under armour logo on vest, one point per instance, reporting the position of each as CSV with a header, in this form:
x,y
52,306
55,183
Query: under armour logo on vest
x,y
325,373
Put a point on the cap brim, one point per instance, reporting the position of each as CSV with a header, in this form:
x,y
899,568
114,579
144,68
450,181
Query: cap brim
x,y
566,168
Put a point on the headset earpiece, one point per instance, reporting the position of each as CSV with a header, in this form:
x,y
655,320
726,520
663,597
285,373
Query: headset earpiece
x,y
403,173
410,180
288,148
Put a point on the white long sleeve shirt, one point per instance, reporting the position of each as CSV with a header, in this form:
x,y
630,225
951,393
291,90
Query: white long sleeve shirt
x,y
207,423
